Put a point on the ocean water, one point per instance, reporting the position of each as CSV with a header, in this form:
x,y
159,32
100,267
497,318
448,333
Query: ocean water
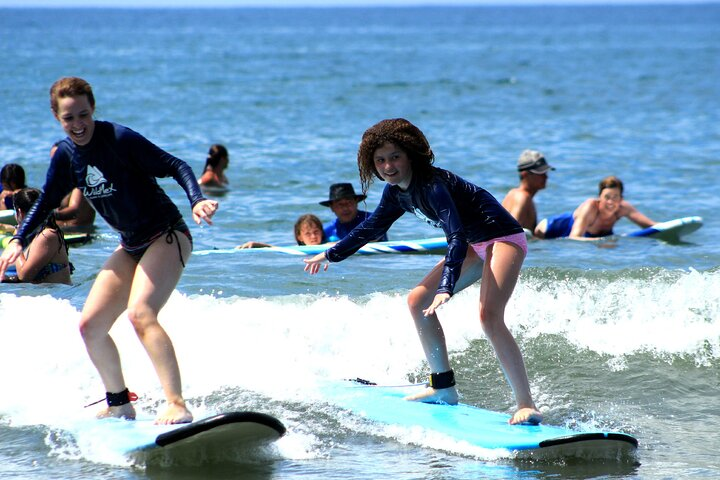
x,y
620,336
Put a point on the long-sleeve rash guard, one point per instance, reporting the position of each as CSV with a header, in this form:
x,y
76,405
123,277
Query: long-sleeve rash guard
x,y
117,173
466,213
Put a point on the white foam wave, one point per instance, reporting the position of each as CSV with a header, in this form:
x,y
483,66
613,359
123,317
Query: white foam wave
x,y
278,348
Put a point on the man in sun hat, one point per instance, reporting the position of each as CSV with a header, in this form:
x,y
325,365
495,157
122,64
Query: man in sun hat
x,y
343,201
532,169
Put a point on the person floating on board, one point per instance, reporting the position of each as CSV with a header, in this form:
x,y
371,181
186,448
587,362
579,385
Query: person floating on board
x,y
116,168
343,201
213,177
308,231
533,171
595,217
75,214
46,258
483,240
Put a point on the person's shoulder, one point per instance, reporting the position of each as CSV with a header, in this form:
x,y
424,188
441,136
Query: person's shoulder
x,y
517,195
208,178
587,207
123,133
47,240
626,208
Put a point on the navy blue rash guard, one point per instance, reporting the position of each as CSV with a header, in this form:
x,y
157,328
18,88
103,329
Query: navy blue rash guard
x,y
466,213
117,173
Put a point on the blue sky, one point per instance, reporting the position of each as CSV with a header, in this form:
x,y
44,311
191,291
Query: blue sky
x,y
317,3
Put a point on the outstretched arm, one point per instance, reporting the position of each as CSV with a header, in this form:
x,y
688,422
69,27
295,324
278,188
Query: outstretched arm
x,y
584,215
313,264
635,216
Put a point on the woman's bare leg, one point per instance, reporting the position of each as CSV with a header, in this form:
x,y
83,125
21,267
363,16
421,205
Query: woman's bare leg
x,y
156,276
105,302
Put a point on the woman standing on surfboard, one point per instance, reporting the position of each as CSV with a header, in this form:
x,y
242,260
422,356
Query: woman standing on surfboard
x,y
116,168
483,240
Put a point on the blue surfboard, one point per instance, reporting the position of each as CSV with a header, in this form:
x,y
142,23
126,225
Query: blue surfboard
x,y
198,442
436,245
670,231
476,426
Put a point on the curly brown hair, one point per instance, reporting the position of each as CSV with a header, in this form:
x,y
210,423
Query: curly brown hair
x,y
402,134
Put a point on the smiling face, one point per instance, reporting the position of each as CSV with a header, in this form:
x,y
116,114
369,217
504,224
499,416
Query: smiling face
x,y
393,165
75,115
610,199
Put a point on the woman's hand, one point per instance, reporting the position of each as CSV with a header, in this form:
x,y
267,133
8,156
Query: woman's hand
x,y
10,255
312,265
204,211
439,299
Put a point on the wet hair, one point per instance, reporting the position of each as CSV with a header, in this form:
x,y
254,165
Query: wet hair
x,y
70,87
216,153
24,199
402,134
13,175
311,219
610,182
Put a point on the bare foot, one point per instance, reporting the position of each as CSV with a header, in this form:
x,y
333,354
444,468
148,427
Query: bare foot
x,y
126,411
527,416
431,395
176,412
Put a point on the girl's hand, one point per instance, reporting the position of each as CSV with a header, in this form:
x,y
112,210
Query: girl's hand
x,y
204,211
11,253
439,299
312,265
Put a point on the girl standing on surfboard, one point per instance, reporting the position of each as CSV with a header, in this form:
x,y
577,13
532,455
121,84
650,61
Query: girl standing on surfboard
x,y
116,168
484,240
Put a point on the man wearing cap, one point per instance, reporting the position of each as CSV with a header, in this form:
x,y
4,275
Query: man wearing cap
x,y
343,201
532,168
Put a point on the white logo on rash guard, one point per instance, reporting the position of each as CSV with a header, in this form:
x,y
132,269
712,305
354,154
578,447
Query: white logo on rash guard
x,y
94,176
96,184
424,218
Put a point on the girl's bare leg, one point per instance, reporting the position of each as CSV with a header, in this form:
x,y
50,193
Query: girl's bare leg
x,y
500,274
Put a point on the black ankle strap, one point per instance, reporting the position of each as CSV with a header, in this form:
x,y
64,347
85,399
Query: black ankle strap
x,y
117,399
438,381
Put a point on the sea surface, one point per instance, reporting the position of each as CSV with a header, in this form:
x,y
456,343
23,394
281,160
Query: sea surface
x,y
620,335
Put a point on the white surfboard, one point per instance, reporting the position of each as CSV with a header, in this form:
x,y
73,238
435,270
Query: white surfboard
x,y
8,217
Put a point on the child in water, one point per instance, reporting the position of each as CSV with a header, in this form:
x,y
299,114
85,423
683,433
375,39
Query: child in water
x,y
484,240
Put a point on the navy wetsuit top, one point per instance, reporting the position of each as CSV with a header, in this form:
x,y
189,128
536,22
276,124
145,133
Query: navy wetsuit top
x,y
337,230
466,213
116,172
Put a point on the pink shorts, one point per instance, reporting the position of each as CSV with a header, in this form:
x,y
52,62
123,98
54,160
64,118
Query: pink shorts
x,y
518,239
